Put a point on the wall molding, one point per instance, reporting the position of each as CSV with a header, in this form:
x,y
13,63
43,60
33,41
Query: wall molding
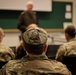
x,y
48,30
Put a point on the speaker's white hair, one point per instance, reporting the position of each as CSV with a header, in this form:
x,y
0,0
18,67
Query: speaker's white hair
x,y
30,3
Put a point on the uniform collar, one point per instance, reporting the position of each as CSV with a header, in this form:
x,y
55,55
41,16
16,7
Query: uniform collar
x,y
35,57
72,39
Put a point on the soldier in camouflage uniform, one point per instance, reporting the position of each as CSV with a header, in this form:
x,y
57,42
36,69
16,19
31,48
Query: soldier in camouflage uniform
x,y
6,53
35,62
19,49
69,48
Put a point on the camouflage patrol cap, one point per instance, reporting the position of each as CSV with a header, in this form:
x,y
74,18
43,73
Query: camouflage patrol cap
x,y
35,36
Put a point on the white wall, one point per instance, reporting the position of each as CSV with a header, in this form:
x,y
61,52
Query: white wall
x,y
20,5
11,39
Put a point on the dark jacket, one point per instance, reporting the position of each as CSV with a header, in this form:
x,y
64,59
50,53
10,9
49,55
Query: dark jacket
x,y
25,19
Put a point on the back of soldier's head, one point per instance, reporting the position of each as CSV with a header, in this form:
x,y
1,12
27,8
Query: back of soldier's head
x,y
71,31
35,40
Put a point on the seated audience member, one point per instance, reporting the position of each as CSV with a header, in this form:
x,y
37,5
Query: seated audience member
x,y
35,62
20,52
19,49
69,48
6,53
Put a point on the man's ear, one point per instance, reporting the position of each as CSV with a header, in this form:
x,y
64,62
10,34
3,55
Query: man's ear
x,y
45,48
23,46
67,36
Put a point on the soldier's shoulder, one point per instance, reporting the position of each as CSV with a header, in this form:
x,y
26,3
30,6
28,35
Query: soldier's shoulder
x,y
3,47
60,68
12,63
69,44
22,13
15,61
63,46
57,63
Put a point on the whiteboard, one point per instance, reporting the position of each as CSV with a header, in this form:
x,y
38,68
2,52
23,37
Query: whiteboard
x,y
39,5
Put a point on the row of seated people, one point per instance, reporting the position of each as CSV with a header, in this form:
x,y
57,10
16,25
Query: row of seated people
x,y
34,43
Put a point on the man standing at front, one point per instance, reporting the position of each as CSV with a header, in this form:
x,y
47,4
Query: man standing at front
x,y
27,17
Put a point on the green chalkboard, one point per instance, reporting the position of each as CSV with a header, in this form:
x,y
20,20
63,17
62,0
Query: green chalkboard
x,y
54,19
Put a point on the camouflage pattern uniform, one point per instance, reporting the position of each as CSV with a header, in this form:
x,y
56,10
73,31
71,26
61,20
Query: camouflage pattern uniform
x,y
34,64
6,53
66,49
20,52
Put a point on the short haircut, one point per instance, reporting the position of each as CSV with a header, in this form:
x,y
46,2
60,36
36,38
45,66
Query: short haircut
x,y
71,31
34,49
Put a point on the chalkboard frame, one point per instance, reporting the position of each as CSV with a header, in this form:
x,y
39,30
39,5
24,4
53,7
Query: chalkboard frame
x,y
17,31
